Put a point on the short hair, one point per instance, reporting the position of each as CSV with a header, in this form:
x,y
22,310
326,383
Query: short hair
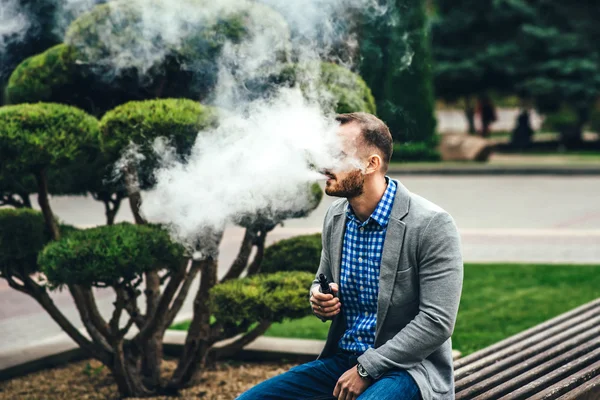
x,y
374,133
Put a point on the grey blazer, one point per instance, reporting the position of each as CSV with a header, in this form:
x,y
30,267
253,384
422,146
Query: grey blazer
x,y
420,283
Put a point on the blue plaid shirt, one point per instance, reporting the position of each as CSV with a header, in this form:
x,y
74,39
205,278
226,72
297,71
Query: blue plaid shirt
x,y
359,278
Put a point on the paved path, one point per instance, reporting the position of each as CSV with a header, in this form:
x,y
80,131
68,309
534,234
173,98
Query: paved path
x,y
507,218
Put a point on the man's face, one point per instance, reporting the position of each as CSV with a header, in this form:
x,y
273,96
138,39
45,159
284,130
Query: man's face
x,y
347,180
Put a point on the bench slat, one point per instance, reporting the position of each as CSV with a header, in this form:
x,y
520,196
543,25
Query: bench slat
x,y
576,323
588,391
534,368
567,384
547,381
527,333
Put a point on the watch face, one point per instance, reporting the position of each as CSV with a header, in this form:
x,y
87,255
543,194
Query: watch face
x,y
361,371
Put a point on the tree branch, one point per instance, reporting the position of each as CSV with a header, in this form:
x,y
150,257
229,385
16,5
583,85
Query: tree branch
x,y
155,321
241,261
238,344
40,294
42,182
254,267
85,313
182,294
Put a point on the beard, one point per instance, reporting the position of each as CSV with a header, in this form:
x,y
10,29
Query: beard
x,y
351,186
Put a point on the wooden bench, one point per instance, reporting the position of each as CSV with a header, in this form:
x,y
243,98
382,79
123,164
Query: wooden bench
x,y
558,359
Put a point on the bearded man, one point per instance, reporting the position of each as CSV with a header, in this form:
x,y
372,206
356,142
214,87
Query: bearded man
x,y
395,262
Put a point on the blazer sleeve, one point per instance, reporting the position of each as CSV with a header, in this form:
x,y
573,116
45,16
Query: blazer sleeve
x,y
440,283
324,265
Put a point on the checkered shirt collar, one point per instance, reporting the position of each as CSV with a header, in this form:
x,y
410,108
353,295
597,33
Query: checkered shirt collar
x,y
383,211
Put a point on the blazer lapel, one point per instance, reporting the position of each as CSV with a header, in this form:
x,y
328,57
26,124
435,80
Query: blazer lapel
x,y
337,241
390,257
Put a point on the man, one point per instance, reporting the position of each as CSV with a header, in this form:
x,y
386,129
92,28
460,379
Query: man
x,y
395,262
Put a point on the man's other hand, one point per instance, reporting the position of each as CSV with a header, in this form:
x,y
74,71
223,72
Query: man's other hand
x,y
350,385
326,305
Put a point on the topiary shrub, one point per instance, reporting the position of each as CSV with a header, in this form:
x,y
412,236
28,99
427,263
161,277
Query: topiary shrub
x,y
337,89
167,57
42,136
23,235
270,297
50,76
415,152
300,253
140,122
107,255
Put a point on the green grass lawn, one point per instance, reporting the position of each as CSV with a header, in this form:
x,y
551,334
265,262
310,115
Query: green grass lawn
x,y
498,300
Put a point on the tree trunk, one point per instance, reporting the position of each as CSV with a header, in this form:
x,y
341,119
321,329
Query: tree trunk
x,y
42,182
198,341
152,357
470,114
126,373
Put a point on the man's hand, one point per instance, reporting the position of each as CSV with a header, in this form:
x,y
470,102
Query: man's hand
x,y
350,385
325,305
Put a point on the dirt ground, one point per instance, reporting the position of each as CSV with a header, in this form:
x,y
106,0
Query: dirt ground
x,y
90,380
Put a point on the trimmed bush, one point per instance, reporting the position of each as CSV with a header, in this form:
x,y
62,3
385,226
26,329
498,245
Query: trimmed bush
x,y
271,297
141,121
560,121
23,235
300,253
36,136
107,255
50,76
339,88
179,120
417,151
115,40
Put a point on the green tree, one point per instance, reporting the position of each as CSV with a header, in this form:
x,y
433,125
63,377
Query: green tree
x,y
475,49
563,61
37,137
396,64
108,57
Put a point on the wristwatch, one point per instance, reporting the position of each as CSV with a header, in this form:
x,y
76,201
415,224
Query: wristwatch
x,y
362,372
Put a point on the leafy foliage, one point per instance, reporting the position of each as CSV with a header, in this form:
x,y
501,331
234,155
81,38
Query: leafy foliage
x,y
23,235
36,136
262,297
396,65
419,151
300,253
107,255
178,120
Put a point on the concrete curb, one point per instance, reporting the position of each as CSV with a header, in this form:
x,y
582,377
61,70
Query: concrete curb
x,y
497,171
61,350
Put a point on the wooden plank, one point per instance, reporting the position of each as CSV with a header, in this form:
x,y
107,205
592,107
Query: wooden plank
x,y
570,383
563,372
525,334
588,391
534,368
574,325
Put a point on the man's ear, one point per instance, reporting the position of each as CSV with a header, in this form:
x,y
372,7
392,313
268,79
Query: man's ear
x,y
374,164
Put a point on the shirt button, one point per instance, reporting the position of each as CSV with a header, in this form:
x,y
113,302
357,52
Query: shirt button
x,y
362,229
359,338
359,259
362,288
366,314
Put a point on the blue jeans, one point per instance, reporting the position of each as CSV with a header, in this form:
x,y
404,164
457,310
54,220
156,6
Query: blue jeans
x,y
316,380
